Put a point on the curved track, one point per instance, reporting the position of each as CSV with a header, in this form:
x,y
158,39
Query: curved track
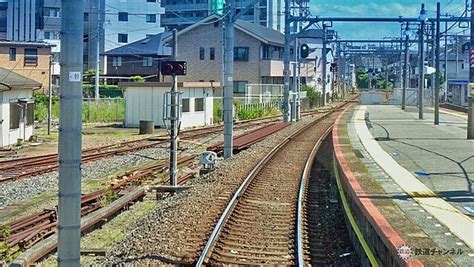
x,y
263,221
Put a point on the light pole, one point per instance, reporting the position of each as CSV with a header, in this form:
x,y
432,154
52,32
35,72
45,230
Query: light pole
x,y
438,71
470,112
405,66
421,65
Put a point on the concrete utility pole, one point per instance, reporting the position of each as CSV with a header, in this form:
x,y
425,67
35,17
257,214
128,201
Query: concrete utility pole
x,y
433,56
286,63
228,77
50,93
70,133
174,119
470,112
295,79
438,71
97,61
405,66
324,59
421,63
446,61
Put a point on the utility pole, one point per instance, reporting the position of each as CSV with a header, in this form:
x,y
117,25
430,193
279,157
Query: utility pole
x,y
421,64
174,119
50,93
446,61
323,54
97,62
405,67
70,133
438,71
295,80
228,77
470,112
433,56
286,63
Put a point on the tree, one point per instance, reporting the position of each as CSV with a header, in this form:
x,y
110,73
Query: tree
x,y
362,78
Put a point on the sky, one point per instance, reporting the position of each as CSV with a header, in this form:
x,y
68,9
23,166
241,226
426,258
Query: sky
x,y
378,8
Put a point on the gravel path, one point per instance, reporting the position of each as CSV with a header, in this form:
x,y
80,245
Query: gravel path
x,y
165,234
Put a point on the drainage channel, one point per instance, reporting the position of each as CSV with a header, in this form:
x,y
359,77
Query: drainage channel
x,y
327,236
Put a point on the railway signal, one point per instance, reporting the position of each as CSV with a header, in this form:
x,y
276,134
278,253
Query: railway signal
x,y
304,51
173,68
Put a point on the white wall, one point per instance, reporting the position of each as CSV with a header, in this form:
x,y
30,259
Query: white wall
x,y
146,103
7,136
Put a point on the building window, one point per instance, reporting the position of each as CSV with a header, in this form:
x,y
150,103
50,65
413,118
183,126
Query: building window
x,y
147,61
15,112
462,66
51,35
85,59
122,37
239,87
85,38
198,104
212,53
185,105
151,18
52,12
151,1
31,56
12,54
241,53
117,61
86,16
201,53
123,16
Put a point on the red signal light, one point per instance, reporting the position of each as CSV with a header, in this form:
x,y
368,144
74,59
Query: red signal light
x,y
173,68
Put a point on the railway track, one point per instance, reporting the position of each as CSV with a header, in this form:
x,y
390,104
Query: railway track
x,y
263,223
20,168
26,232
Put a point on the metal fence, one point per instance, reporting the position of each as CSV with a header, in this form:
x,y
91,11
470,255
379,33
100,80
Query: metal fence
x,y
103,110
263,93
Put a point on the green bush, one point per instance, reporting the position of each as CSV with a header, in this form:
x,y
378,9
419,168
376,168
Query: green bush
x,y
256,111
217,111
105,90
313,96
137,79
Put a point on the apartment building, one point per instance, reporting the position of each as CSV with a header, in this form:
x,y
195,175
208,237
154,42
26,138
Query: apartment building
x,y
28,59
180,14
258,53
140,58
107,24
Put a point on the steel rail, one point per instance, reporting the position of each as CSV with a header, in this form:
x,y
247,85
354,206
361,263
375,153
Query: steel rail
x,y
239,192
301,194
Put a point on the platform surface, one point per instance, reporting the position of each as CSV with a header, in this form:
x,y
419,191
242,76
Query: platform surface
x,y
426,170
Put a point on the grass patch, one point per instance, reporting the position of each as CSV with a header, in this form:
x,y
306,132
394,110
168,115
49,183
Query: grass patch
x,y
105,110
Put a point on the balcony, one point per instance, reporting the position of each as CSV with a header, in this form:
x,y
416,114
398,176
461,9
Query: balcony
x,y
271,68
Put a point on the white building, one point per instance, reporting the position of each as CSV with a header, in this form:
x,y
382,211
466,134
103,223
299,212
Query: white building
x,y
144,101
313,38
16,107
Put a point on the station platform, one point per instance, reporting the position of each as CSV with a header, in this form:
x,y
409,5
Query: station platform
x,y
409,183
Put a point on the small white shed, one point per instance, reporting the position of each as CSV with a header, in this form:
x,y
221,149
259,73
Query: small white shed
x,y
144,101
16,107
